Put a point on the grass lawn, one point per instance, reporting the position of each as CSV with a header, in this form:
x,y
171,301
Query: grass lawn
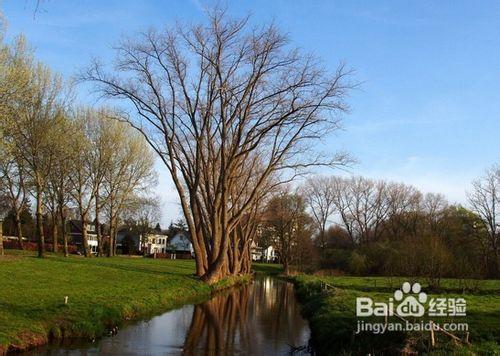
x,y
267,268
102,293
333,320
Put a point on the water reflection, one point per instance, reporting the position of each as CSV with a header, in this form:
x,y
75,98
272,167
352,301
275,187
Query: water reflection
x,y
262,318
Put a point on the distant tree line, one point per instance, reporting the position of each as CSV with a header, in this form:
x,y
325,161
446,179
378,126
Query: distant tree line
x,y
364,226
60,160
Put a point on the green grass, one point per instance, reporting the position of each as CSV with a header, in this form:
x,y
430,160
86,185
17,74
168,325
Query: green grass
x,y
267,268
389,284
103,292
333,320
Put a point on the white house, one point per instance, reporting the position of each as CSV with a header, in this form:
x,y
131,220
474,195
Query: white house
x,y
264,254
179,244
156,243
270,254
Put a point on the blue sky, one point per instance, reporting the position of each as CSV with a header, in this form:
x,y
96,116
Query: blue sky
x,y
427,112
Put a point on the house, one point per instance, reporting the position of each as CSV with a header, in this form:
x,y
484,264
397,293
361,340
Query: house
x,y
264,254
127,240
76,237
176,246
155,242
179,246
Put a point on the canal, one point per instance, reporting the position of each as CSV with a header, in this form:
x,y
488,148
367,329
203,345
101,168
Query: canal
x,y
261,318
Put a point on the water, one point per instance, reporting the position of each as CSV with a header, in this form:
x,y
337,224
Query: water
x,y
261,318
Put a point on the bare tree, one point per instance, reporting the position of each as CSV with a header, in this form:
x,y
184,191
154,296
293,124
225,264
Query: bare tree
x,y
434,206
363,205
404,206
485,200
207,99
318,192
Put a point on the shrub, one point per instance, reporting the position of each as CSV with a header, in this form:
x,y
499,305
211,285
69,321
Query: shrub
x,y
358,263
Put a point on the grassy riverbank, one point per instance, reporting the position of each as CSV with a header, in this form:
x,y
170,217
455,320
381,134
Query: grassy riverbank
x,y
102,293
333,321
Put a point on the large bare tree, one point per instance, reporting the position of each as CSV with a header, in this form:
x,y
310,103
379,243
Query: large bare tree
x,y
210,97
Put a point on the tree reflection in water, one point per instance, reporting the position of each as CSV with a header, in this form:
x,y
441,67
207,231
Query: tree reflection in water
x,y
258,319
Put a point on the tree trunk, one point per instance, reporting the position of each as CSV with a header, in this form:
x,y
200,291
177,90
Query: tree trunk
x,y
64,233
322,235
495,261
115,232
248,260
200,255
85,241
1,238
100,247
54,233
200,251
112,243
218,269
39,223
246,257
235,258
286,267
19,228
